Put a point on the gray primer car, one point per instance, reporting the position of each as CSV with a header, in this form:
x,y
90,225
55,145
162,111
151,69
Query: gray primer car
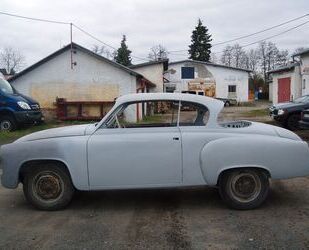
x,y
238,157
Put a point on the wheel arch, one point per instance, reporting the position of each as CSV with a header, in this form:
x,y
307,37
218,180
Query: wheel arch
x,y
225,170
27,165
8,112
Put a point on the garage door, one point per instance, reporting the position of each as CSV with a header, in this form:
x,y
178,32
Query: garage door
x,y
284,89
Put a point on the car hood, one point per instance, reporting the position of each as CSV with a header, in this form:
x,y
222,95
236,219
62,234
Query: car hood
x,y
76,130
286,105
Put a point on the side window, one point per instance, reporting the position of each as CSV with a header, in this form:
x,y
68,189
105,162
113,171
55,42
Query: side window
x,y
145,114
192,114
187,72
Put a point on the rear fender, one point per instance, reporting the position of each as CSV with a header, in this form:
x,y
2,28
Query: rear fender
x,y
280,157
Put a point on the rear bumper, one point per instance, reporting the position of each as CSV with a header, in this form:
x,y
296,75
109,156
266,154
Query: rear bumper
x,y
29,117
304,124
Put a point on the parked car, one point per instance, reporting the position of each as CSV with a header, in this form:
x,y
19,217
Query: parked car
x,y
304,122
228,102
288,114
16,109
151,141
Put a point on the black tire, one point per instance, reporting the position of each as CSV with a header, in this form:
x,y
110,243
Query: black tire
x,y
292,122
7,123
244,189
227,104
48,187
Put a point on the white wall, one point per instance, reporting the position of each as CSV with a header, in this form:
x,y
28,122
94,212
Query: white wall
x,y
295,83
270,91
153,73
90,80
305,73
221,75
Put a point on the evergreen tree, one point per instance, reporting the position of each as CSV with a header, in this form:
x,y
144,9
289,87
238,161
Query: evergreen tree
x,y
200,43
123,54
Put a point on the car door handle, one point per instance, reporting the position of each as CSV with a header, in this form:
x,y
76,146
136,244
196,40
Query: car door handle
x,y
176,138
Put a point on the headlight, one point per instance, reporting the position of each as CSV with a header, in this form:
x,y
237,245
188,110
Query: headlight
x,y
281,112
23,105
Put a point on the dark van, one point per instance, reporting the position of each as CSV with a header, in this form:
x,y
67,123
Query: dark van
x,y
16,109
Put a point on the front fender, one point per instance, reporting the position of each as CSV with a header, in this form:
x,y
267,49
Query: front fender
x,y
69,150
282,158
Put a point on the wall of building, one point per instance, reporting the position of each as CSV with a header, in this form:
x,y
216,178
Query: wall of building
x,y
221,77
270,94
305,74
90,80
153,73
295,76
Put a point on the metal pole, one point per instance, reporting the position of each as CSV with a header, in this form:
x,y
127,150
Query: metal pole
x,y
71,38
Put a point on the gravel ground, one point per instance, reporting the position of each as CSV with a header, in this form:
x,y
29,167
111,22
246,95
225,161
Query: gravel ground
x,y
159,219
190,218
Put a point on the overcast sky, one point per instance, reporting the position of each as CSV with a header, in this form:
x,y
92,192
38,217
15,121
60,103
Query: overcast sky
x,y
147,23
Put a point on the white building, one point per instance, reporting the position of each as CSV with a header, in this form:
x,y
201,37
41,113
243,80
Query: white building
x,y
291,81
91,77
208,79
286,83
153,71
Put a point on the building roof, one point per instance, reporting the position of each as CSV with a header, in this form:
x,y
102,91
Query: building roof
x,y
209,63
163,61
76,47
288,67
305,51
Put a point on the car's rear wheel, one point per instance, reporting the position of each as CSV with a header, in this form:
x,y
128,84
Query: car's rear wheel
x,y
7,123
292,122
48,187
244,188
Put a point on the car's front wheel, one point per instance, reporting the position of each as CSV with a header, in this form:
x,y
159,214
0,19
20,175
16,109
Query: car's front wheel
x,y
7,123
244,188
48,187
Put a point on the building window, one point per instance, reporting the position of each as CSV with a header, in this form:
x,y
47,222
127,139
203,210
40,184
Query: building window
x,y
304,83
232,88
187,72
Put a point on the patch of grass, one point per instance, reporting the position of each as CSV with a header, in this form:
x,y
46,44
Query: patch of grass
x,y
153,119
255,113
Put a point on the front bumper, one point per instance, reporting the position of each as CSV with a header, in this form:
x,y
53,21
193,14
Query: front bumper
x,y
29,117
303,124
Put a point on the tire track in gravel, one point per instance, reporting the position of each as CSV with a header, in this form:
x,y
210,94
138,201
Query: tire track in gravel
x,y
158,223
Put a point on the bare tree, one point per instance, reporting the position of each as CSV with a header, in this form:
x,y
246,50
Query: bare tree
x,y
157,53
226,58
299,50
213,58
12,60
238,56
253,60
103,51
271,57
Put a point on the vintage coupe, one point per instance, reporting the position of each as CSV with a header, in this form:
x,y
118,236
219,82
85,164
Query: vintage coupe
x,y
152,141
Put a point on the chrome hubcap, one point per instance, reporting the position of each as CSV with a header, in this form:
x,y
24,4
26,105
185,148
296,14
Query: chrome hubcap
x,y
48,186
245,187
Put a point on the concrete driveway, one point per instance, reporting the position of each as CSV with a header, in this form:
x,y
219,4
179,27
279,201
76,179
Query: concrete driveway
x,y
158,219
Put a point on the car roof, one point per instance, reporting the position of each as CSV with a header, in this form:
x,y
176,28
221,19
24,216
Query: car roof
x,y
205,100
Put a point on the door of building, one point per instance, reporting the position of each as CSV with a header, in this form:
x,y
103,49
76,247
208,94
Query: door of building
x,y
284,89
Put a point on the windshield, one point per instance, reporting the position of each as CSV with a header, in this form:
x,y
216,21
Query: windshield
x,y
302,99
5,87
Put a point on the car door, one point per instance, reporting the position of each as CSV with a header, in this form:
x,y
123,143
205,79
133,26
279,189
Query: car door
x,y
136,154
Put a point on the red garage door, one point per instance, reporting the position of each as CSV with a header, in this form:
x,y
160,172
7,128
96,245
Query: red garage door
x,y
284,89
